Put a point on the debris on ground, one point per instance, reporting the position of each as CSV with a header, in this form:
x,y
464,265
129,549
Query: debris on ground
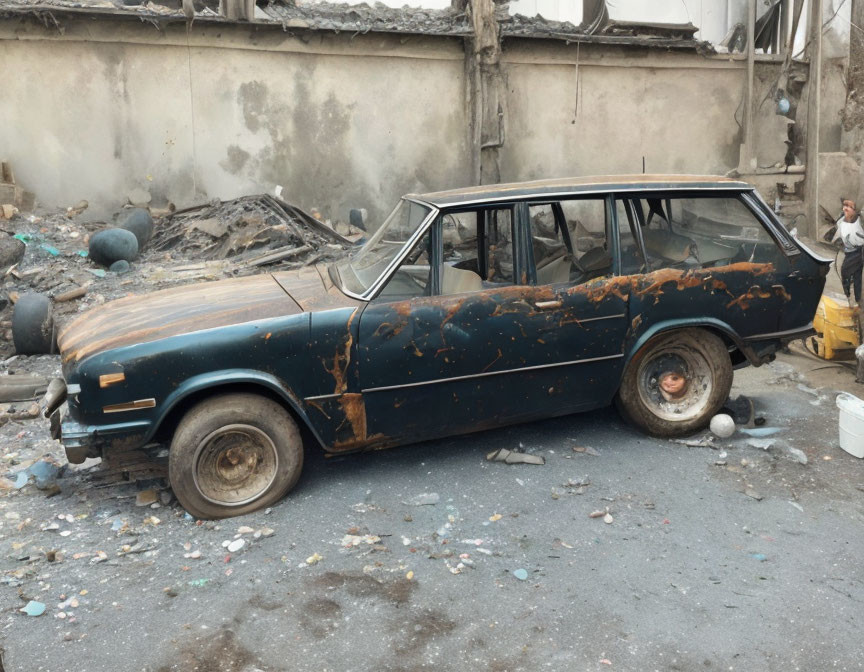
x,y
520,574
514,457
43,472
741,410
247,225
705,442
722,425
760,431
424,499
34,608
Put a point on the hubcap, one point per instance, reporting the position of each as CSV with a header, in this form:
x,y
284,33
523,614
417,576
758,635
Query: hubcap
x,y
235,465
675,383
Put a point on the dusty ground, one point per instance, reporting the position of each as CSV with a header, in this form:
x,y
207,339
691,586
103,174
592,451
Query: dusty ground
x,y
734,555
723,557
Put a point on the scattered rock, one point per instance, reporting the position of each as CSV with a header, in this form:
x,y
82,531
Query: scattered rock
x,y
798,455
146,498
11,251
722,425
424,499
140,223
520,574
236,545
112,245
120,267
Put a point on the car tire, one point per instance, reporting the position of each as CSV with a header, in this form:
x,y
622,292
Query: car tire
x,y
676,383
234,453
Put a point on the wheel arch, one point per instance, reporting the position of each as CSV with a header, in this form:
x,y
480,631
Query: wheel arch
x,y
739,351
198,389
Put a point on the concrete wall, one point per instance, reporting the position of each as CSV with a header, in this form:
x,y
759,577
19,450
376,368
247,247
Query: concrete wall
x,y
603,113
339,122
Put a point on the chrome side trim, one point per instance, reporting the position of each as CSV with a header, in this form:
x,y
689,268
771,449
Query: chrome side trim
x,y
321,397
604,317
490,373
137,405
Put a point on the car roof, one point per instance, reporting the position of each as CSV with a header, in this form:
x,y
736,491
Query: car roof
x,y
574,186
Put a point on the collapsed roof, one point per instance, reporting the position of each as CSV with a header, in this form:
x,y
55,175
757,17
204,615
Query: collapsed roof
x,y
363,18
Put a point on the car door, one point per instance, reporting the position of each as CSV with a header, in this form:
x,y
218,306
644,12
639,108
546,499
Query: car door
x,y
481,349
575,255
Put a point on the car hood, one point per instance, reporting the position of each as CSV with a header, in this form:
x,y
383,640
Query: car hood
x,y
181,310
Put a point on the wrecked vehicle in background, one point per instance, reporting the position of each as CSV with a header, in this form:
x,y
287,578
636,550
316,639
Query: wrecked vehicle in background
x,y
467,309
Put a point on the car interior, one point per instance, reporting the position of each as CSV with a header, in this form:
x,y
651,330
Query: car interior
x,y
570,242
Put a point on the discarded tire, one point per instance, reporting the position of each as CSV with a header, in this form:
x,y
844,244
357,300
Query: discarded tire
x,y
11,251
139,222
33,325
112,245
120,267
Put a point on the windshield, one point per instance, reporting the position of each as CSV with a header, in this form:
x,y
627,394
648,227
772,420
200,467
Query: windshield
x,y
362,268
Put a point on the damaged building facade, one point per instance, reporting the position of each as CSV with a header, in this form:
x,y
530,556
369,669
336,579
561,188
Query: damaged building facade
x,y
347,106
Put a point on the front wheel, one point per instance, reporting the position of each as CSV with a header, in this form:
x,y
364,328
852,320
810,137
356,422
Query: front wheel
x,y
233,454
676,383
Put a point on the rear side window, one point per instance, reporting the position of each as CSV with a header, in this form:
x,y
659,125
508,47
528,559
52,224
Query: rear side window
x,y
569,240
702,232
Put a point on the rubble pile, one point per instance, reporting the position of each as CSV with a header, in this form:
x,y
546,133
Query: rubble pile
x,y
222,230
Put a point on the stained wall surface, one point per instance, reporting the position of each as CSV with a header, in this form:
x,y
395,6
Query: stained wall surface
x,y
339,121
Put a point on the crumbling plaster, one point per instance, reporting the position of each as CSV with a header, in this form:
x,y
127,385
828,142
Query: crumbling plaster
x,y
339,121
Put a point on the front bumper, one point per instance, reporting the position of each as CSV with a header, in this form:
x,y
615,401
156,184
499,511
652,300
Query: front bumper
x,y
82,440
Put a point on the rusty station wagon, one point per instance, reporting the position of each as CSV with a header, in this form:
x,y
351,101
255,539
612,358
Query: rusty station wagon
x,y
465,310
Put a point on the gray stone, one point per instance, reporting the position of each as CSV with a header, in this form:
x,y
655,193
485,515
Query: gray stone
x,y
11,251
139,222
112,245
120,267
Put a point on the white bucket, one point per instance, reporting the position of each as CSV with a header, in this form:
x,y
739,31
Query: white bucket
x,y
851,423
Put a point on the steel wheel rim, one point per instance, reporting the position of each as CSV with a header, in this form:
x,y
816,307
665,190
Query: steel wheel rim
x,y
675,383
235,465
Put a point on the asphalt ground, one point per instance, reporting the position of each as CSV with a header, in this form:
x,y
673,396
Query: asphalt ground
x,y
731,556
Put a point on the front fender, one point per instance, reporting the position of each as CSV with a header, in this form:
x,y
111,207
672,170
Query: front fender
x,y
213,380
703,322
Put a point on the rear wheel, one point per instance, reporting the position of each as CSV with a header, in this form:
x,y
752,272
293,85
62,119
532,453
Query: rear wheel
x,y
676,383
233,454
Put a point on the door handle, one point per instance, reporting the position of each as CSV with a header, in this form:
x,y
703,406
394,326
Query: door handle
x,y
548,305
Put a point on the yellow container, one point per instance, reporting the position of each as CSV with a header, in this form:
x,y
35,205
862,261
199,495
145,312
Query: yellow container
x,y
836,325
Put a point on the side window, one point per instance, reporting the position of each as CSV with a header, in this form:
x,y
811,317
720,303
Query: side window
x,y
553,261
414,276
569,241
704,232
478,250
632,261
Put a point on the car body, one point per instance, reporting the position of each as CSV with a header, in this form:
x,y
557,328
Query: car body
x,y
467,309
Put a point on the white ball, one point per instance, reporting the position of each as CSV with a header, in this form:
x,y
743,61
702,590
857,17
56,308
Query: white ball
x,y
722,425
